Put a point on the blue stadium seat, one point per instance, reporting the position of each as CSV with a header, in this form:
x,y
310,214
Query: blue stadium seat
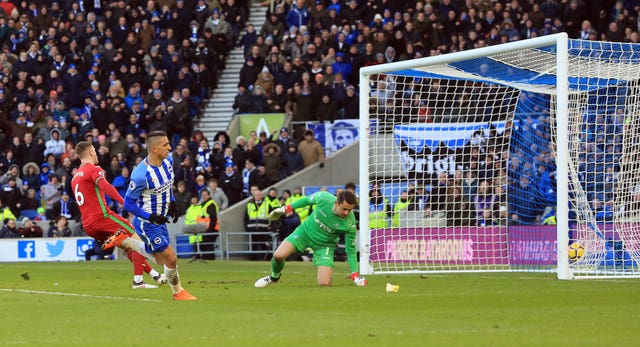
x,y
31,214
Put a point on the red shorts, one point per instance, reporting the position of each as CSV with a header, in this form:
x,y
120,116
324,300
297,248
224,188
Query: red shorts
x,y
103,228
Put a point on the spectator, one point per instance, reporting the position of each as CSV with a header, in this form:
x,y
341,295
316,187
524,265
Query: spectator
x,y
5,212
401,205
265,80
51,192
8,159
272,26
29,200
326,109
302,212
311,150
524,200
60,228
292,161
64,207
243,100
203,157
239,152
258,101
249,176
179,114
302,109
201,184
216,160
30,229
45,170
262,180
221,199
12,174
117,144
9,229
272,162
231,183
55,145
11,196
249,73
252,151
221,29
272,198
283,140
209,217
121,183
182,196
248,39
192,216
379,210
262,141
256,219
29,150
276,103
287,77
298,16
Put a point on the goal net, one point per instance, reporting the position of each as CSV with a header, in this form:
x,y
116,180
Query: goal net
x,y
518,157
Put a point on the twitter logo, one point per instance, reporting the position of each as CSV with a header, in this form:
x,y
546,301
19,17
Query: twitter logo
x,y
55,249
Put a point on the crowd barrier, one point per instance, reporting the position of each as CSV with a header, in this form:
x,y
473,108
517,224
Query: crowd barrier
x,y
231,244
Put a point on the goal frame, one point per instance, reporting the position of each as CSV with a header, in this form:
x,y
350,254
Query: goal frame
x,y
561,41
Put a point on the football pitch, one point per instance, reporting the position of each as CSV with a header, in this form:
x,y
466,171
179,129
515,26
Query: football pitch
x,y
92,304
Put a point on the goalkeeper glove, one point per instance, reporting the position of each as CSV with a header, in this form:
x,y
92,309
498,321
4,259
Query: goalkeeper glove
x,y
280,211
173,211
158,219
360,281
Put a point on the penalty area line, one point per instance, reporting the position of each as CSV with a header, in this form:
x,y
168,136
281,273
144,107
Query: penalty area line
x,y
27,291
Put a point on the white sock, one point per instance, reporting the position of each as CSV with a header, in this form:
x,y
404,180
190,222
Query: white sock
x,y
153,273
138,278
173,279
137,246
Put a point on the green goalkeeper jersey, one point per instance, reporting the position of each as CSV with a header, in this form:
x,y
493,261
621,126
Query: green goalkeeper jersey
x,y
323,227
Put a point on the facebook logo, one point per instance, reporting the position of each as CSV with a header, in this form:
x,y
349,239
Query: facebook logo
x,y
26,249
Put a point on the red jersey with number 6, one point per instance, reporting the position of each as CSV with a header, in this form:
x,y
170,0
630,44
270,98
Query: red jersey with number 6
x,y
89,197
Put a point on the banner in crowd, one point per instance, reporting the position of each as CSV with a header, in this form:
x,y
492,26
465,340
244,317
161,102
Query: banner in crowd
x,y
45,249
336,136
428,148
267,122
527,245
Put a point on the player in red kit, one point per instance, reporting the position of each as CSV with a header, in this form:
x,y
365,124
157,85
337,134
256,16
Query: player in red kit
x,y
89,186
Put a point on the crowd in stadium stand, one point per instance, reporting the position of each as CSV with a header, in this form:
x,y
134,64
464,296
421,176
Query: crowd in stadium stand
x,y
112,71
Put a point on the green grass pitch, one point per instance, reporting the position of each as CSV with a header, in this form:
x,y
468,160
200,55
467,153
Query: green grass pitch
x,y
92,304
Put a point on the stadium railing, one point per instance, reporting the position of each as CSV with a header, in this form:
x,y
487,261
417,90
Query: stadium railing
x,y
193,245
237,243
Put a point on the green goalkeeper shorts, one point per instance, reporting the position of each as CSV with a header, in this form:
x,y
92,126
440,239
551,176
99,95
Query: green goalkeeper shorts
x,y
322,253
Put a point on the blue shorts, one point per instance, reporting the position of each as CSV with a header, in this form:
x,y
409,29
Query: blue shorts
x,y
155,237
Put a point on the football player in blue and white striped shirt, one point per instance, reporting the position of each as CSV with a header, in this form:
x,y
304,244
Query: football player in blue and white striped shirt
x,y
150,199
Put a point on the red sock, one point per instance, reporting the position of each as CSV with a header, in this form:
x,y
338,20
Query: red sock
x,y
145,265
138,262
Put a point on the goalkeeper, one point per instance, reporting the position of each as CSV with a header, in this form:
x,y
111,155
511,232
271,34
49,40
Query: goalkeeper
x,y
331,217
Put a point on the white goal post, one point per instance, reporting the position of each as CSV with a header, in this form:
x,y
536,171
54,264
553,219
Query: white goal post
x,y
523,156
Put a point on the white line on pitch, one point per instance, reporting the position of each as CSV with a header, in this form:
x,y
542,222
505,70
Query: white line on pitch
x,y
74,294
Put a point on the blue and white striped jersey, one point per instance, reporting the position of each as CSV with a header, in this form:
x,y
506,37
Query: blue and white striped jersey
x,y
151,186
